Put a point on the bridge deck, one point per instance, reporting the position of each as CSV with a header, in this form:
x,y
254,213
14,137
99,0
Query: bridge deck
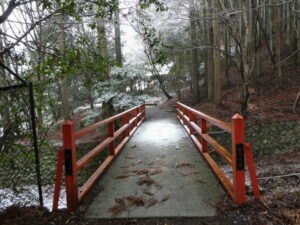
x,y
184,180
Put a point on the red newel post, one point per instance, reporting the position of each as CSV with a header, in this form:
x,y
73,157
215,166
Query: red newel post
x,y
192,119
204,131
238,158
135,115
111,132
183,118
141,112
70,166
144,110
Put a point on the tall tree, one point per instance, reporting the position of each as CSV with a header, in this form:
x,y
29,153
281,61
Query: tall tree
x,y
65,80
107,106
210,53
118,47
217,56
277,28
194,54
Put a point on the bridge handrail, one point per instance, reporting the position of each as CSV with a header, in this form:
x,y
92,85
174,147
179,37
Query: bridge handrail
x,y
223,125
131,119
91,128
236,189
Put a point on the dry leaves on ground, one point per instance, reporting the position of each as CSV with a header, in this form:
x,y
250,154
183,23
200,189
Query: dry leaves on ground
x,y
190,173
157,171
166,198
185,165
148,181
122,176
151,202
148,193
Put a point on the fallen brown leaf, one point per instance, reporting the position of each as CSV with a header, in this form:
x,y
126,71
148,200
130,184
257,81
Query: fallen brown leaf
x,y
185,165
190,173
166,198
151,202
120,201
148,181
136,200
157,171
148,193
116,210
122,176
142,172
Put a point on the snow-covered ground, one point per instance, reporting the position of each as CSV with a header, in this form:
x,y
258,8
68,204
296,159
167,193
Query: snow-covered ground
x,y
30,197
84,108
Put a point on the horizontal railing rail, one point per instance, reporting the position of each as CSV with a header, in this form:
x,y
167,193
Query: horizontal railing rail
x,y
196,124
131,119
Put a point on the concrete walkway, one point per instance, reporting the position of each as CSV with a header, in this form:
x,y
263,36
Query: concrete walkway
x,y
158,174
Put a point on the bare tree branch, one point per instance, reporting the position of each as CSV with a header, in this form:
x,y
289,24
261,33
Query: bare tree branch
x,y
19,39
11,6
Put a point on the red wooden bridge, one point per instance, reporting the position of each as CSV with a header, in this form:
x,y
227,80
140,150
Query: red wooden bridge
x,y
152,140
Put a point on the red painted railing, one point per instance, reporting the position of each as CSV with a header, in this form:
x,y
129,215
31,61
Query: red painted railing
x,y
131,119
195,123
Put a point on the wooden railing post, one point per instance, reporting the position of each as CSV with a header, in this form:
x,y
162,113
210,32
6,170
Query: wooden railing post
x,y
184,113
192,119
127,121
145,110
111,132
141,112
70,166
238,159
134,115
204,131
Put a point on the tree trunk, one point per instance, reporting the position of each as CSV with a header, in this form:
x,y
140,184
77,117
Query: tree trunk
x,y
227,56
247,58
297,30
65,81
194,55
210,66
217,58
107,107
118,48
277,18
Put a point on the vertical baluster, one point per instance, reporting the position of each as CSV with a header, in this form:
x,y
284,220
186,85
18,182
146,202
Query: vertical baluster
x,y
204,131
111,132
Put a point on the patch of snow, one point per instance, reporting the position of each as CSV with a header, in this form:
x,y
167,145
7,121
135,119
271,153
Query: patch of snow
x,y
30,197
81,109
